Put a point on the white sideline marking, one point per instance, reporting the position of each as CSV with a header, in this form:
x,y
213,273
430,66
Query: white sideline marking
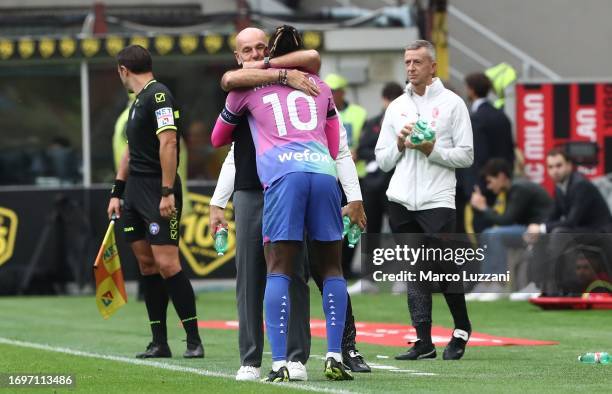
x,y
157,364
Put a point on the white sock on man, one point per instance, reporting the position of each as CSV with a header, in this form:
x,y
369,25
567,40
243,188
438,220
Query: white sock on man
x,y
336,356
276,365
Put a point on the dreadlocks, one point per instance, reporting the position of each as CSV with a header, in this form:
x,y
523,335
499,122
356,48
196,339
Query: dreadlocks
x,y
284,40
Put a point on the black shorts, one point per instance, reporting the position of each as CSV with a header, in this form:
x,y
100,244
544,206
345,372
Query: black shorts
x,y
140,215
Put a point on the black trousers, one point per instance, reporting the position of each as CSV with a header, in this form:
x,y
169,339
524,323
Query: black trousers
x,y
429,221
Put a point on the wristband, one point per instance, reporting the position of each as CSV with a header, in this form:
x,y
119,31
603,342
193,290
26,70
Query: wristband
x,y
166,191
118,188
282,77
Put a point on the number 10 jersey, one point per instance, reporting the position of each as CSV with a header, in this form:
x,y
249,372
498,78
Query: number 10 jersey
x,y
292,132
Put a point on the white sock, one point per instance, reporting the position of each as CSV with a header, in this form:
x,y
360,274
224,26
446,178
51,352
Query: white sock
x,y
336,356
276,365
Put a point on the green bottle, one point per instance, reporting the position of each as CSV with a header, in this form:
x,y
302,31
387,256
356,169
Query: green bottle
x,y
221,240
595,358
421,132
346,223
353,235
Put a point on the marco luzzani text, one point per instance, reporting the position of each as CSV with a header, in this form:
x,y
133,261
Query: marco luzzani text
x,y
403,255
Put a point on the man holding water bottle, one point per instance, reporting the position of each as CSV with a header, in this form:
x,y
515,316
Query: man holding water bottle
x,y
422,190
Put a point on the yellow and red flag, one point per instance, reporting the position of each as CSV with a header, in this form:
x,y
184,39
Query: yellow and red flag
x,y
110,288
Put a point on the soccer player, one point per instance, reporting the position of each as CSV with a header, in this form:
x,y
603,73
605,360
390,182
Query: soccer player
x,y
239,176
296,139
153,201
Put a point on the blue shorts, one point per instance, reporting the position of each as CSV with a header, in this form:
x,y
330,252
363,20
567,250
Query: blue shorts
x,y
299,201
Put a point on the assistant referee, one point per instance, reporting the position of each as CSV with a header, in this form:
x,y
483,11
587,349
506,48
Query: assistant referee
x,y
153,201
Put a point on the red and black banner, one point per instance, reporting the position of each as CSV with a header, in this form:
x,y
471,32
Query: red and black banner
x,y
551,114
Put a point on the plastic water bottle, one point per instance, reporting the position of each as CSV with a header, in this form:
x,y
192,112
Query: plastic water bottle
x,y
346,223
221,240
421,132
595,358
353,235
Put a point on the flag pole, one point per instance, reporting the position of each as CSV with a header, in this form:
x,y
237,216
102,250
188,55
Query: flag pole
x,y
111,226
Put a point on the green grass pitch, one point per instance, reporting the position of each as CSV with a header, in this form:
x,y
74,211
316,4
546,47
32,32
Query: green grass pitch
x,y
100,353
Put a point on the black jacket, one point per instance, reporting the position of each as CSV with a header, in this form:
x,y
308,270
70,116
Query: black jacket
x,y
377,180
526,203
244,158
581,208
492,133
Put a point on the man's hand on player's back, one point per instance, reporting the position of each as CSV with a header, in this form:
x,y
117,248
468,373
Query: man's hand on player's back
x,y
299,80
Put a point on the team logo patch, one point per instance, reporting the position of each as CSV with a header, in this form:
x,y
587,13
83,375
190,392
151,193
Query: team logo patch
x,y
435,112
160,97
165,117
154,228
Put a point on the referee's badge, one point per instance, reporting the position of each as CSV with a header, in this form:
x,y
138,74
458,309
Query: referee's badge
x,y
154,228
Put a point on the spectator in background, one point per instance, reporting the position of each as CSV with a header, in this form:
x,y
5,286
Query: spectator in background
x,y
526,202
591,276
353,118
376,181
579,208
492,139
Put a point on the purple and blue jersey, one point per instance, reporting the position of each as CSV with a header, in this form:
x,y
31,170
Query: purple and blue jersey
x,y
292,132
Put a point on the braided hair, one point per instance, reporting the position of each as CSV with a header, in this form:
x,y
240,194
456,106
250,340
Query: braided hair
x,y
285,39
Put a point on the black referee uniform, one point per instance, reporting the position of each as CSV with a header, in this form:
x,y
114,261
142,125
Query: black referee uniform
x,y
154,111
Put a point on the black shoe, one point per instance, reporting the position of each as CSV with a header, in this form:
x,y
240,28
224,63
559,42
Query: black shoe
x,y
194,350
354,360
419,351
336,371
282,375
156,350
456,347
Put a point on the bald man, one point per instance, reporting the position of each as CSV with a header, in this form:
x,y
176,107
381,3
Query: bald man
x,y
239,175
